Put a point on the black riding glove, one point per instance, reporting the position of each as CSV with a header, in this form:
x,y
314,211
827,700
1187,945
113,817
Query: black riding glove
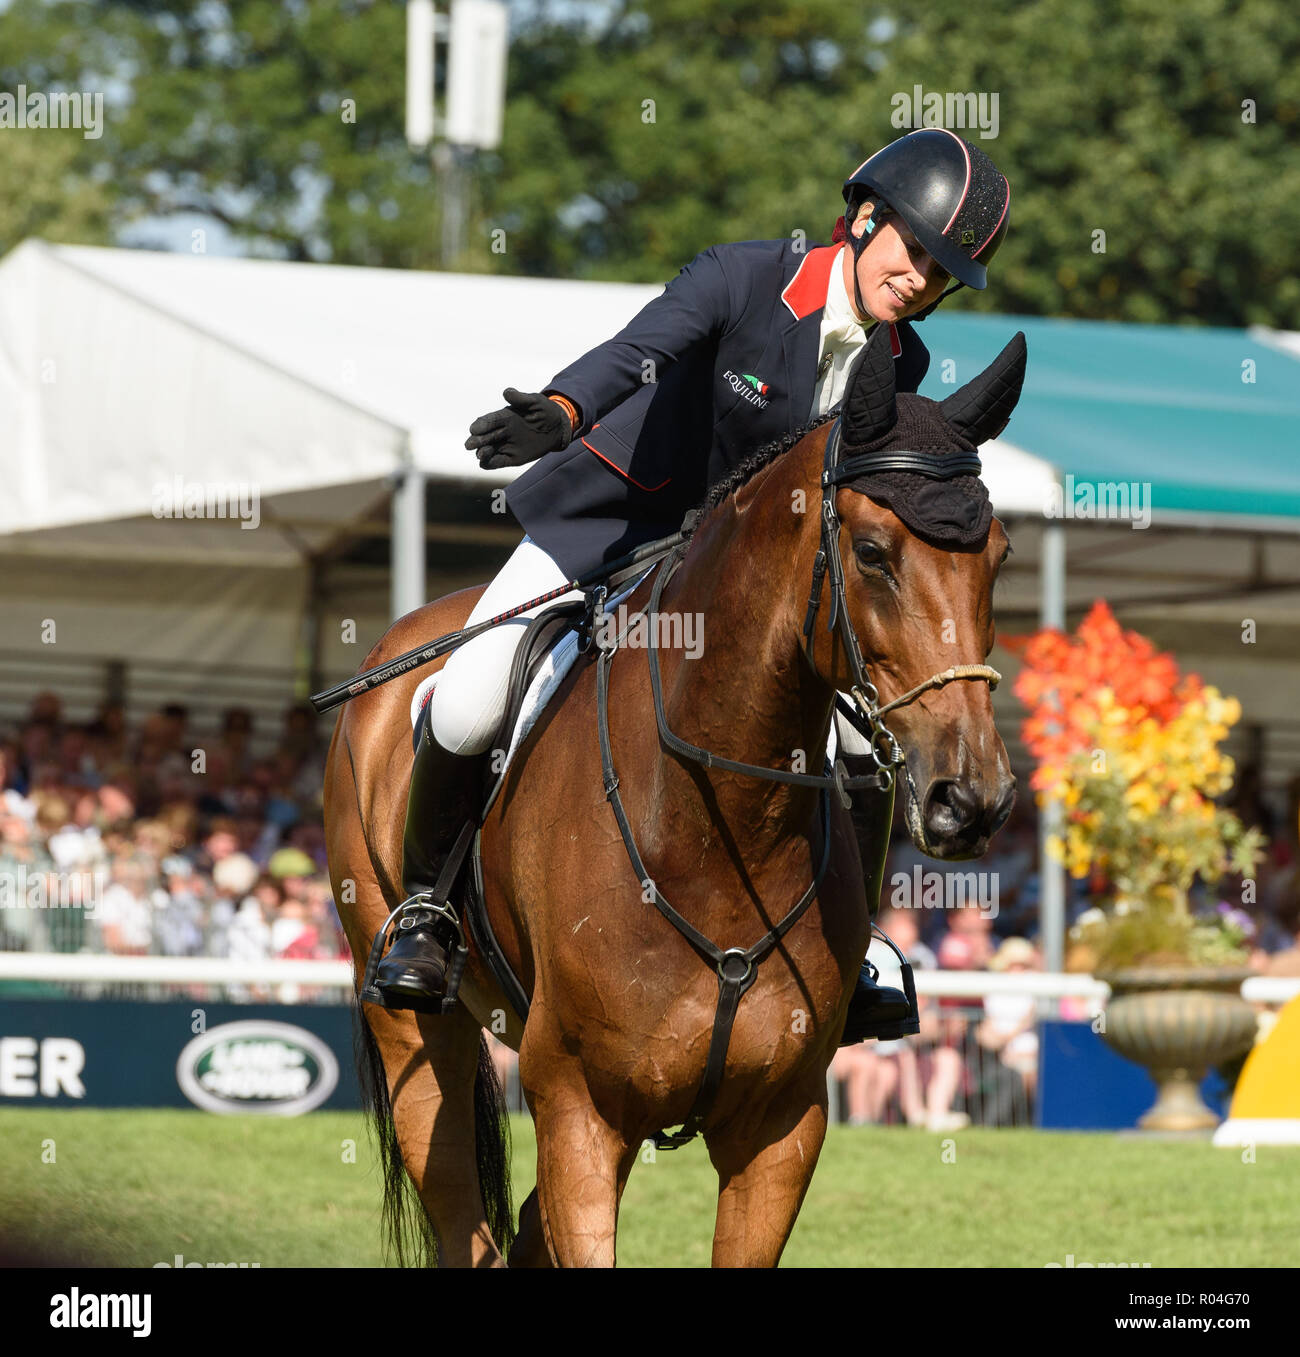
x,y
528,428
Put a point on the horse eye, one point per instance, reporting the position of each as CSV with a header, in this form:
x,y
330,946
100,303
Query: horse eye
x,y
868,553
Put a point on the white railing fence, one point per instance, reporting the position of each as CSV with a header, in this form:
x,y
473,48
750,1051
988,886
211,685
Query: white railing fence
x,y
950,1073
82,968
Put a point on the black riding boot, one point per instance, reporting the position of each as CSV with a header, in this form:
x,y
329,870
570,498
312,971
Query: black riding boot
x,y
445,794
875,1010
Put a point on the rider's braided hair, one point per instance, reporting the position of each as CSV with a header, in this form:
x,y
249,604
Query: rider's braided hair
x,y
747,469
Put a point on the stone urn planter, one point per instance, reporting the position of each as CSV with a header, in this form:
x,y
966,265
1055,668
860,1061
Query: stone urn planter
x,y
1177,1022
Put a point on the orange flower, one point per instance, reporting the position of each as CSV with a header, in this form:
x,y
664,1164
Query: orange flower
x,y
1129,747
1064,676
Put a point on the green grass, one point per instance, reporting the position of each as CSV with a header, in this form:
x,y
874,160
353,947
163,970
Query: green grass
x,y
133,1188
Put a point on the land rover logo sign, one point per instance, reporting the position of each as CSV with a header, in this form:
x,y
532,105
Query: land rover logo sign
x,y
262,1067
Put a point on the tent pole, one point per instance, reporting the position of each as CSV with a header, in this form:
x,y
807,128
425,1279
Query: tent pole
x,y
407,549
1051,874
312,620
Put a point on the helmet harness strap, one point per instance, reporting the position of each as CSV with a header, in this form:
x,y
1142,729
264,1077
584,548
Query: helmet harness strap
x,y
857,243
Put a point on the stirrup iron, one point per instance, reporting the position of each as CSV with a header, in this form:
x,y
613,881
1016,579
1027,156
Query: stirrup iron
x,y
435,903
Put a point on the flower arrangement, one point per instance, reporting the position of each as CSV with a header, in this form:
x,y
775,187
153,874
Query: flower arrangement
x,y
1129,747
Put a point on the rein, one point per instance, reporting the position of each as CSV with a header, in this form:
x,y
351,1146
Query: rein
x,y
737,968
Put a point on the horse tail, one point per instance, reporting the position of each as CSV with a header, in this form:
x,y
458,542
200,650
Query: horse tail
x,y
492,1150
407,1231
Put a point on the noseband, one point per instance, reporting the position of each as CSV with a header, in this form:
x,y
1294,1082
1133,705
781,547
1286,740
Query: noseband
x,y
736,967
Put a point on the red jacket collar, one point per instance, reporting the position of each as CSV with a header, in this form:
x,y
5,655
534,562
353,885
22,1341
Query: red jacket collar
x,y
806,291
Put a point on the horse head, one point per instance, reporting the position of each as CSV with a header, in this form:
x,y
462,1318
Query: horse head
x,y
920,556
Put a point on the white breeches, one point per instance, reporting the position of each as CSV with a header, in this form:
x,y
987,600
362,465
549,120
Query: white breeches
x,y
469,700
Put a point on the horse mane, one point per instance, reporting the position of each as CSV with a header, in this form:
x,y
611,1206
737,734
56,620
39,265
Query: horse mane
x,y
746,471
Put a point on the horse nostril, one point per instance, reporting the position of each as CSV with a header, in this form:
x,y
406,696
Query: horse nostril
x,y
950,809
957,815
1002,811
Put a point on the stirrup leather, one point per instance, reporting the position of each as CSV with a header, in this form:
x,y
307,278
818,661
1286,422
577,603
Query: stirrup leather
x,y
422,906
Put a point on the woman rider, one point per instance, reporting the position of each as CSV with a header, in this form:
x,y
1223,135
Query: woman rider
x,y
749,342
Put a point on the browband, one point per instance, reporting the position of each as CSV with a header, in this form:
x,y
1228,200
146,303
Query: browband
x,y
938,466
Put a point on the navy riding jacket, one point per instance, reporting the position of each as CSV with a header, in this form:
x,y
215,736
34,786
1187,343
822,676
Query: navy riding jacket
x,y
722,362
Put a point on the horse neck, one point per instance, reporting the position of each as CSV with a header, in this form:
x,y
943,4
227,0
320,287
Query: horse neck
x,y
751,696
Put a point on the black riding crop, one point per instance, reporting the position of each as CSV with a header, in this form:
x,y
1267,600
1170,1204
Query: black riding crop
x,y
413,659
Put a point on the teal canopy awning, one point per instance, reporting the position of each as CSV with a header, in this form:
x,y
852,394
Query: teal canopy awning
x,y
1209,418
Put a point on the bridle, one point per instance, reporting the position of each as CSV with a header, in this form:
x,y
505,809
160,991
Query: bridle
x,y
736,967
836,472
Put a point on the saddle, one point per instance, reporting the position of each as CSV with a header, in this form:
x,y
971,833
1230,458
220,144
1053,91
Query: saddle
x,y
552,643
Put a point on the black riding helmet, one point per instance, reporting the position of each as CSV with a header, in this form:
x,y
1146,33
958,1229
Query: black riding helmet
x,y
950,194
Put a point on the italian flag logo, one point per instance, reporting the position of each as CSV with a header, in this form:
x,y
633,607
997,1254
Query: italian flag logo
x,y
760,387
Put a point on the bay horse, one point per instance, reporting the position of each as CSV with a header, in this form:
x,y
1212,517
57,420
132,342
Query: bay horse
x,y
622,1008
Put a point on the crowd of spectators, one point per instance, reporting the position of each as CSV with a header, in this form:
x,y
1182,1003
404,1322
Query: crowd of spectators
x,y
160,841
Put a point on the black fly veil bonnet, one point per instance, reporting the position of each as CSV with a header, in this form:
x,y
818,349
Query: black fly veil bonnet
x,y
917,456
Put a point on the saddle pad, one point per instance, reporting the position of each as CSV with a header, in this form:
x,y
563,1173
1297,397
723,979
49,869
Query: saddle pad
x,y
550,673
550,670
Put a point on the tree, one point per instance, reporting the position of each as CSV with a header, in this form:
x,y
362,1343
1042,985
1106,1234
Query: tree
x,y
1152,149
53,184
1129,119
282,122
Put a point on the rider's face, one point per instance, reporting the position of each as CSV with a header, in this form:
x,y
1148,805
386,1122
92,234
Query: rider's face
x,y
896,276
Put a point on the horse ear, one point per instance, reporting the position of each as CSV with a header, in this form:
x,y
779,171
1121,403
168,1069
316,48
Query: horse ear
x,y
981,409
869,410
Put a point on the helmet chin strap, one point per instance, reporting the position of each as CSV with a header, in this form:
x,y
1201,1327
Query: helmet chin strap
x,y
858,244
